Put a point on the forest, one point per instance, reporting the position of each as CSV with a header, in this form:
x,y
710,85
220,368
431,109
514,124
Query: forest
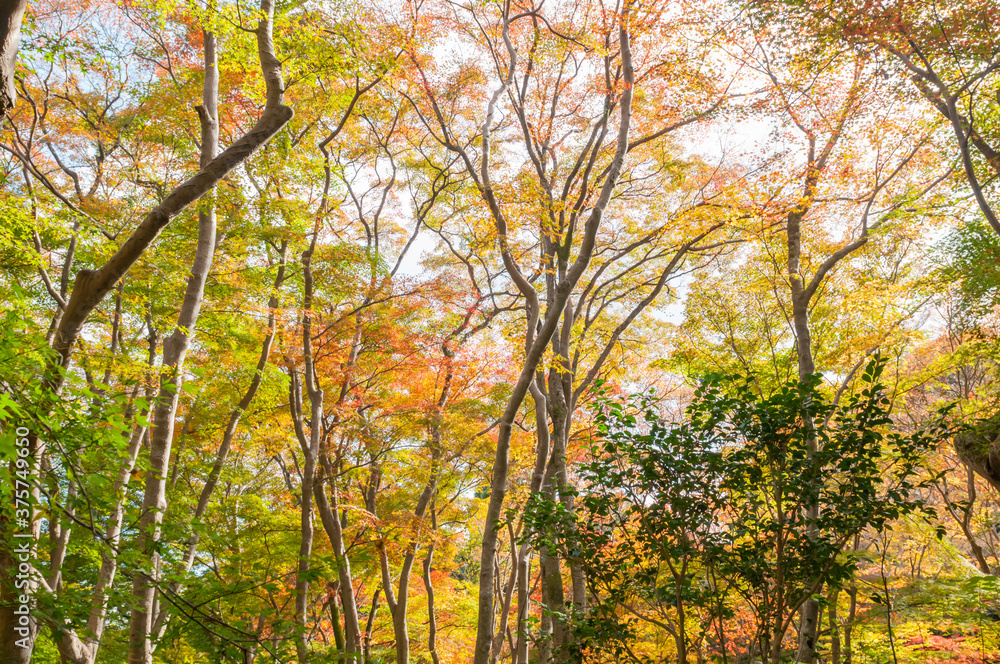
x,y
500,331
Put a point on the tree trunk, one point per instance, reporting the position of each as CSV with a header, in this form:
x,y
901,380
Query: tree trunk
x,y
520,655
809,613
306,530
11,15
310,444
329,510
338,630
175,349
91,286
431,615
538,339
553,594
834,627
852,615
369,627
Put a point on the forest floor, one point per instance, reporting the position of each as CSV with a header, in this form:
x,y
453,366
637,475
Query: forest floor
x,y
932,620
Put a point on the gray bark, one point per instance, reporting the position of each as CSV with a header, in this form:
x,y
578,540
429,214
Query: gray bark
x,y
536,348
809,613
144,581
329,510
91,286
431,615
310,444
11,15
980,451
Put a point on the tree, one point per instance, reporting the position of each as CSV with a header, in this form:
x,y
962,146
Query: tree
x,y
596,262
949,53
91,286
11,15
540,327
715,512
844,171
255,412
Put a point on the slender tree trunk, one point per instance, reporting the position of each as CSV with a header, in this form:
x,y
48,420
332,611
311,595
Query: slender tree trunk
x,y
175,349
809,613
338,630
310,443
852,614
542,451
834,626
429,588
306,529
553,594
369,628
567,497
966,523
329,510
520,655
681,640
507,593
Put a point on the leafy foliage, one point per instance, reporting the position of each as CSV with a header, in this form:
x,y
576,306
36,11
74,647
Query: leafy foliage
x,y
684,523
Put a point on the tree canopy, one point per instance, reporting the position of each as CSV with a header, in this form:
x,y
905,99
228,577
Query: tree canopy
x,y
503,332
